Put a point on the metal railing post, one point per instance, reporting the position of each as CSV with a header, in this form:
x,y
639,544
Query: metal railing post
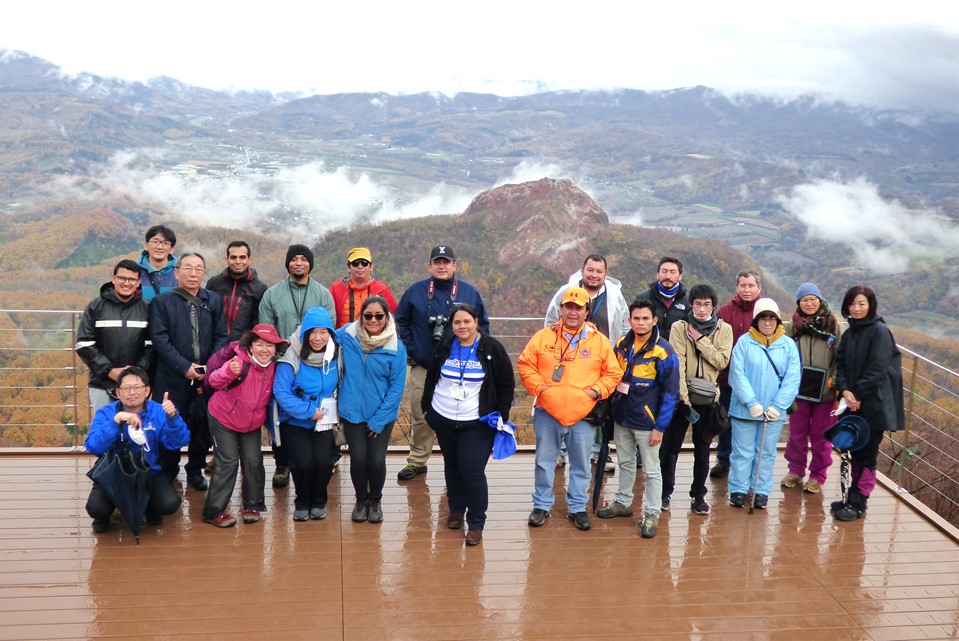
x,y
74,320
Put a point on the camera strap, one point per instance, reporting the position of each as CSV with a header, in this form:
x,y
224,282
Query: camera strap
x,y
431,290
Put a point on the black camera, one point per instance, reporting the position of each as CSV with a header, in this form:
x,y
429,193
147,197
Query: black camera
x,y
438,323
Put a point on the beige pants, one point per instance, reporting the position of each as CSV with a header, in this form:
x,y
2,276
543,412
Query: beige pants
x,y
422,437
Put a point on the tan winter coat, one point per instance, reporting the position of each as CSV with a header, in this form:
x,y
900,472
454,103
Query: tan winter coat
x,y
715,350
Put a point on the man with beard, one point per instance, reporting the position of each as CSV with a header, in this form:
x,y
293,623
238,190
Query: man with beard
x,y
668,295
240,289
739,314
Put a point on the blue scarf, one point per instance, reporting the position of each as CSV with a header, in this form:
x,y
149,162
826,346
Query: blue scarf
x,y
667,293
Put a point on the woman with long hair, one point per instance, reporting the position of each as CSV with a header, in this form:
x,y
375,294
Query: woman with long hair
x,y
471,376
869,379
306,379
374,377
817,332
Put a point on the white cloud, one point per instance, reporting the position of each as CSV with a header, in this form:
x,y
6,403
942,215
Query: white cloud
x,y
884,236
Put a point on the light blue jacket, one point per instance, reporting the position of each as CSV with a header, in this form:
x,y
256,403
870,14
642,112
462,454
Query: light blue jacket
x,y
299,387
372,387
754,380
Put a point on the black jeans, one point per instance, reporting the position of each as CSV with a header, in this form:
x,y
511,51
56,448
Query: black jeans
x,y
673,444
310,453
163,500
367,459
200,442
466,447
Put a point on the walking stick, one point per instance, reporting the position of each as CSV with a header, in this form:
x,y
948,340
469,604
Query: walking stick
x,y
759,461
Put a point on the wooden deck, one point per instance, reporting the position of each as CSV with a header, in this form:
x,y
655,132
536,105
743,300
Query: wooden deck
x,y
786,573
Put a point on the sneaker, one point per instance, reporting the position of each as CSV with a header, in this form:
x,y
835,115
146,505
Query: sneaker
x,y
580,520
250,515
790,481
737,499
665,507
720,470
700,506
361,512
101,525
301,515
375,515
648,529
613,510
281,476
410,471
760,501
850,512
317,513
197,482
455,520
610,465
225,519
812,486
537,517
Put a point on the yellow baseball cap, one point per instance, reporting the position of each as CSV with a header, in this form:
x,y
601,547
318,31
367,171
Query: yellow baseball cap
x,y
358,253
577,296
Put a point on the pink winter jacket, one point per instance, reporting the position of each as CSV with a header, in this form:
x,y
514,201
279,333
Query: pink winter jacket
x,y
243,408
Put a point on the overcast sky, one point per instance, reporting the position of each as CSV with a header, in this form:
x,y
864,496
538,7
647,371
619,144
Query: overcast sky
x,y
892,54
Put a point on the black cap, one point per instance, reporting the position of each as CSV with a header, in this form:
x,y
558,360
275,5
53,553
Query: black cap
x,y
442,251
298,250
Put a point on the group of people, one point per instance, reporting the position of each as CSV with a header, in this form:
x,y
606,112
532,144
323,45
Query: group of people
x,y
210,366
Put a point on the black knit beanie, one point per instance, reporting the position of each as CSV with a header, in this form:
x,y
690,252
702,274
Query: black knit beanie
x,y
301,250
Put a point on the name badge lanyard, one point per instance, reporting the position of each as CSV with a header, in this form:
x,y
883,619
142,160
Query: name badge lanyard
x,y
595,303
571,345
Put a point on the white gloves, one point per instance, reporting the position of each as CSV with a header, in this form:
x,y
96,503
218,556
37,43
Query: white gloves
x,y
756,411
772,414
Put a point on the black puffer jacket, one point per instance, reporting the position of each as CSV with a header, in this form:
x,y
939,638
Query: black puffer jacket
x,y
667,315
113,334
241,300
869,365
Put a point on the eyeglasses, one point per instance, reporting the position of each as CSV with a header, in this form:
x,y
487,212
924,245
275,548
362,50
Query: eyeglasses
x,y
156,242
766,317
359,262
192,270
372,316
129,280
702,304
131,388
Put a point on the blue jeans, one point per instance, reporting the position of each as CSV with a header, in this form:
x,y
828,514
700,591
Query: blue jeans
x,y
746,455
579,440
628,441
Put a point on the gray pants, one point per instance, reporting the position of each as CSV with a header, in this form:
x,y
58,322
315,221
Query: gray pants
x,y
232,449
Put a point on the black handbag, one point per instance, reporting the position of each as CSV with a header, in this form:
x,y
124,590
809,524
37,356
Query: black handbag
x,y
600,412
717,421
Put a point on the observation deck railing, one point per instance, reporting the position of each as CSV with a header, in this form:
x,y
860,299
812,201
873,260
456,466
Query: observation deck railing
x,y
44,402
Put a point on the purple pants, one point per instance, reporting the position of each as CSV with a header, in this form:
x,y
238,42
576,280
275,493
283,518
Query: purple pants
x,y
806,427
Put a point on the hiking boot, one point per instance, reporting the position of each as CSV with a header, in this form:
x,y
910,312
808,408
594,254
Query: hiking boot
x,y
537,517
737,499
580,520
850,512
700,506
648,529
101,525
474,537
455,520
281,476
812,486
197,482
250,515
409,472
760,501
317,513
790,481
720,470
375,515
225,519
301,515
613,510
361,511
665,507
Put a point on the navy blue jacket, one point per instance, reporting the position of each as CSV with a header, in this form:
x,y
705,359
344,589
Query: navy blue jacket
x,y
415,308
172,336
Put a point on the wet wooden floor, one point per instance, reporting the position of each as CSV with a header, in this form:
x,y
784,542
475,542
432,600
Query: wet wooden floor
x,y
786,573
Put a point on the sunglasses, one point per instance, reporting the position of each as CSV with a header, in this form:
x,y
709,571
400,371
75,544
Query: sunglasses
x,y
360,262
372,316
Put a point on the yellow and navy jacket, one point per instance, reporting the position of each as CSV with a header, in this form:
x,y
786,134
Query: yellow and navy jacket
x,y
652,373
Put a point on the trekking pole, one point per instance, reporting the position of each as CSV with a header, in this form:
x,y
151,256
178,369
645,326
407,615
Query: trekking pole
x,y
759,461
